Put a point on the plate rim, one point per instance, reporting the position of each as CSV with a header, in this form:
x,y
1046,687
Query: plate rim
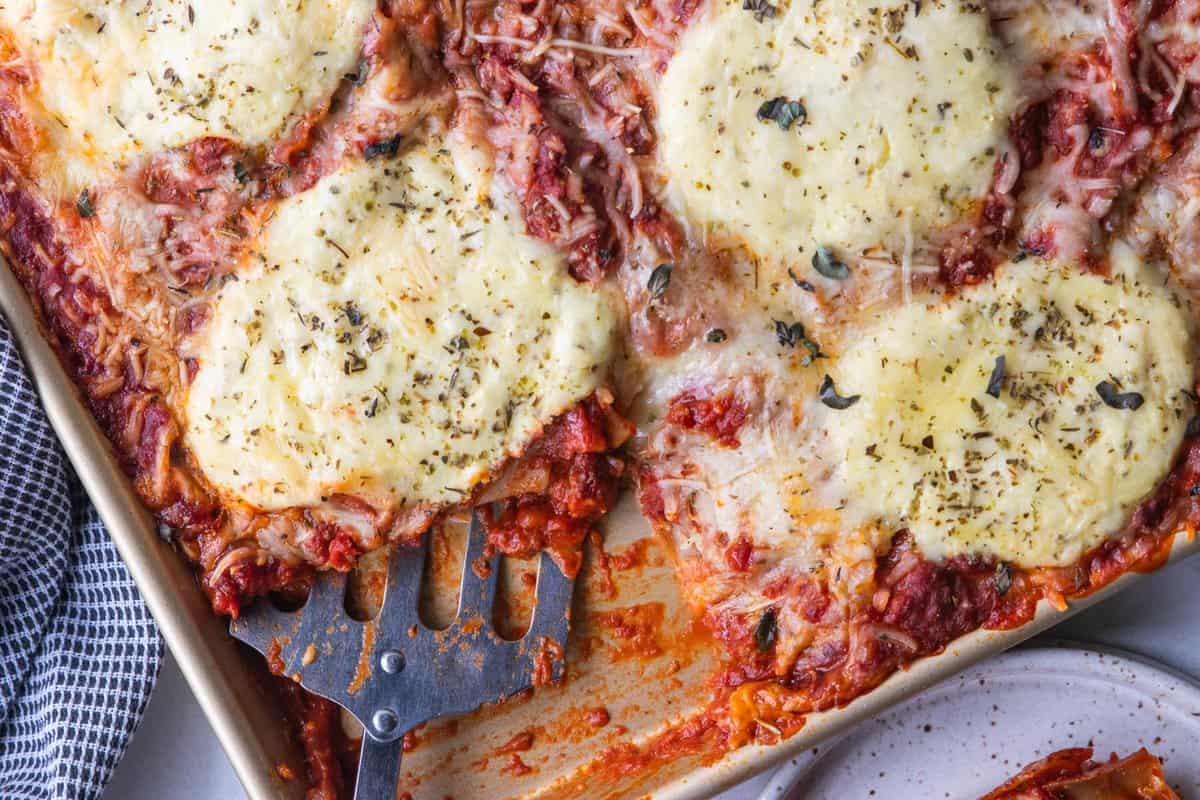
x,y
796,768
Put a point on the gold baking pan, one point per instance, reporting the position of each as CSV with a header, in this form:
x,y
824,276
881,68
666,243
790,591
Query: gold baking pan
x,y
637,664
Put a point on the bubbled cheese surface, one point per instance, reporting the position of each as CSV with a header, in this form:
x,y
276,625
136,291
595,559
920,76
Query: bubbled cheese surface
x,y
396,336
118,77
905,112
1043,472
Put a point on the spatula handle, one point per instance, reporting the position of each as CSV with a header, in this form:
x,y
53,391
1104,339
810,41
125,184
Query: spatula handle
x,y
378,769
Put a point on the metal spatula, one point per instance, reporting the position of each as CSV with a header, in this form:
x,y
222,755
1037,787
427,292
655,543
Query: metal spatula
x,y
409,673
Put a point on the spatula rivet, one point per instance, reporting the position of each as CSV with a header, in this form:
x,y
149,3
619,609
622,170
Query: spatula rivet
x,y
384,721
392,661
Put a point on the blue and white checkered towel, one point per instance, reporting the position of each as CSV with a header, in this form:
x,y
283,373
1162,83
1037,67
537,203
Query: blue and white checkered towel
x,y
79,652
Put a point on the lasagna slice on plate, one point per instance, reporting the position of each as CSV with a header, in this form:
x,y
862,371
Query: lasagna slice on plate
x,y
1073,775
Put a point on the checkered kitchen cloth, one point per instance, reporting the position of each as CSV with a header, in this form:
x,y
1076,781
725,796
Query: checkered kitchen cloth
x,y
79,652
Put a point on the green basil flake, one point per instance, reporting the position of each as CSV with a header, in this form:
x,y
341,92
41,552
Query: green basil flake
x,y
827,264
793,335
1126,401
84,205
716,336
761,9
385,148
660,279
359,76
353,315
803,284
783,112
814,351
996,382
1002,579
789,335
830,397
766,631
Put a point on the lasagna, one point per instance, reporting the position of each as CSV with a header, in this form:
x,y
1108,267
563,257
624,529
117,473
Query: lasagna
x,y
883,310
1073,775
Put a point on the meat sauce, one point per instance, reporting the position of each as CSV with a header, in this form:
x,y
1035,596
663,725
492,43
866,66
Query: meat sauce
x,y
582,480
719,416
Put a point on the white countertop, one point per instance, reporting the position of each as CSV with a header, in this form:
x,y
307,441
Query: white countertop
x,y
175,754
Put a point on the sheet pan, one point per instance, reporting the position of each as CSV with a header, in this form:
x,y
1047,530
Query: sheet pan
x,y
637,662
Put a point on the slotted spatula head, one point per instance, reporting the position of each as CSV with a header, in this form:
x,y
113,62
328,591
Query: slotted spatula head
x,y
393,673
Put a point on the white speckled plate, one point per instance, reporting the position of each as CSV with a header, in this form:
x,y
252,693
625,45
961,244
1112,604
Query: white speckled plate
x,y
966,736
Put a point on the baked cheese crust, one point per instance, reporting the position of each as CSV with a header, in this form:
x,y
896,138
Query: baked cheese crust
x,y
981,427
117,81
846,125
393,336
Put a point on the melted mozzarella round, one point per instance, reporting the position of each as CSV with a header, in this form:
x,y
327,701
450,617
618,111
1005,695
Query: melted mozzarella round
x,y
397,338
1047,469
904,109
117,78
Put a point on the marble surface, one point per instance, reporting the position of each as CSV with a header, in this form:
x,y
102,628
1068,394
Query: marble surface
x,y
175,754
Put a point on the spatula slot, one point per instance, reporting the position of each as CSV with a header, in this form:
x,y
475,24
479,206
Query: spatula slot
x,y
394,671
